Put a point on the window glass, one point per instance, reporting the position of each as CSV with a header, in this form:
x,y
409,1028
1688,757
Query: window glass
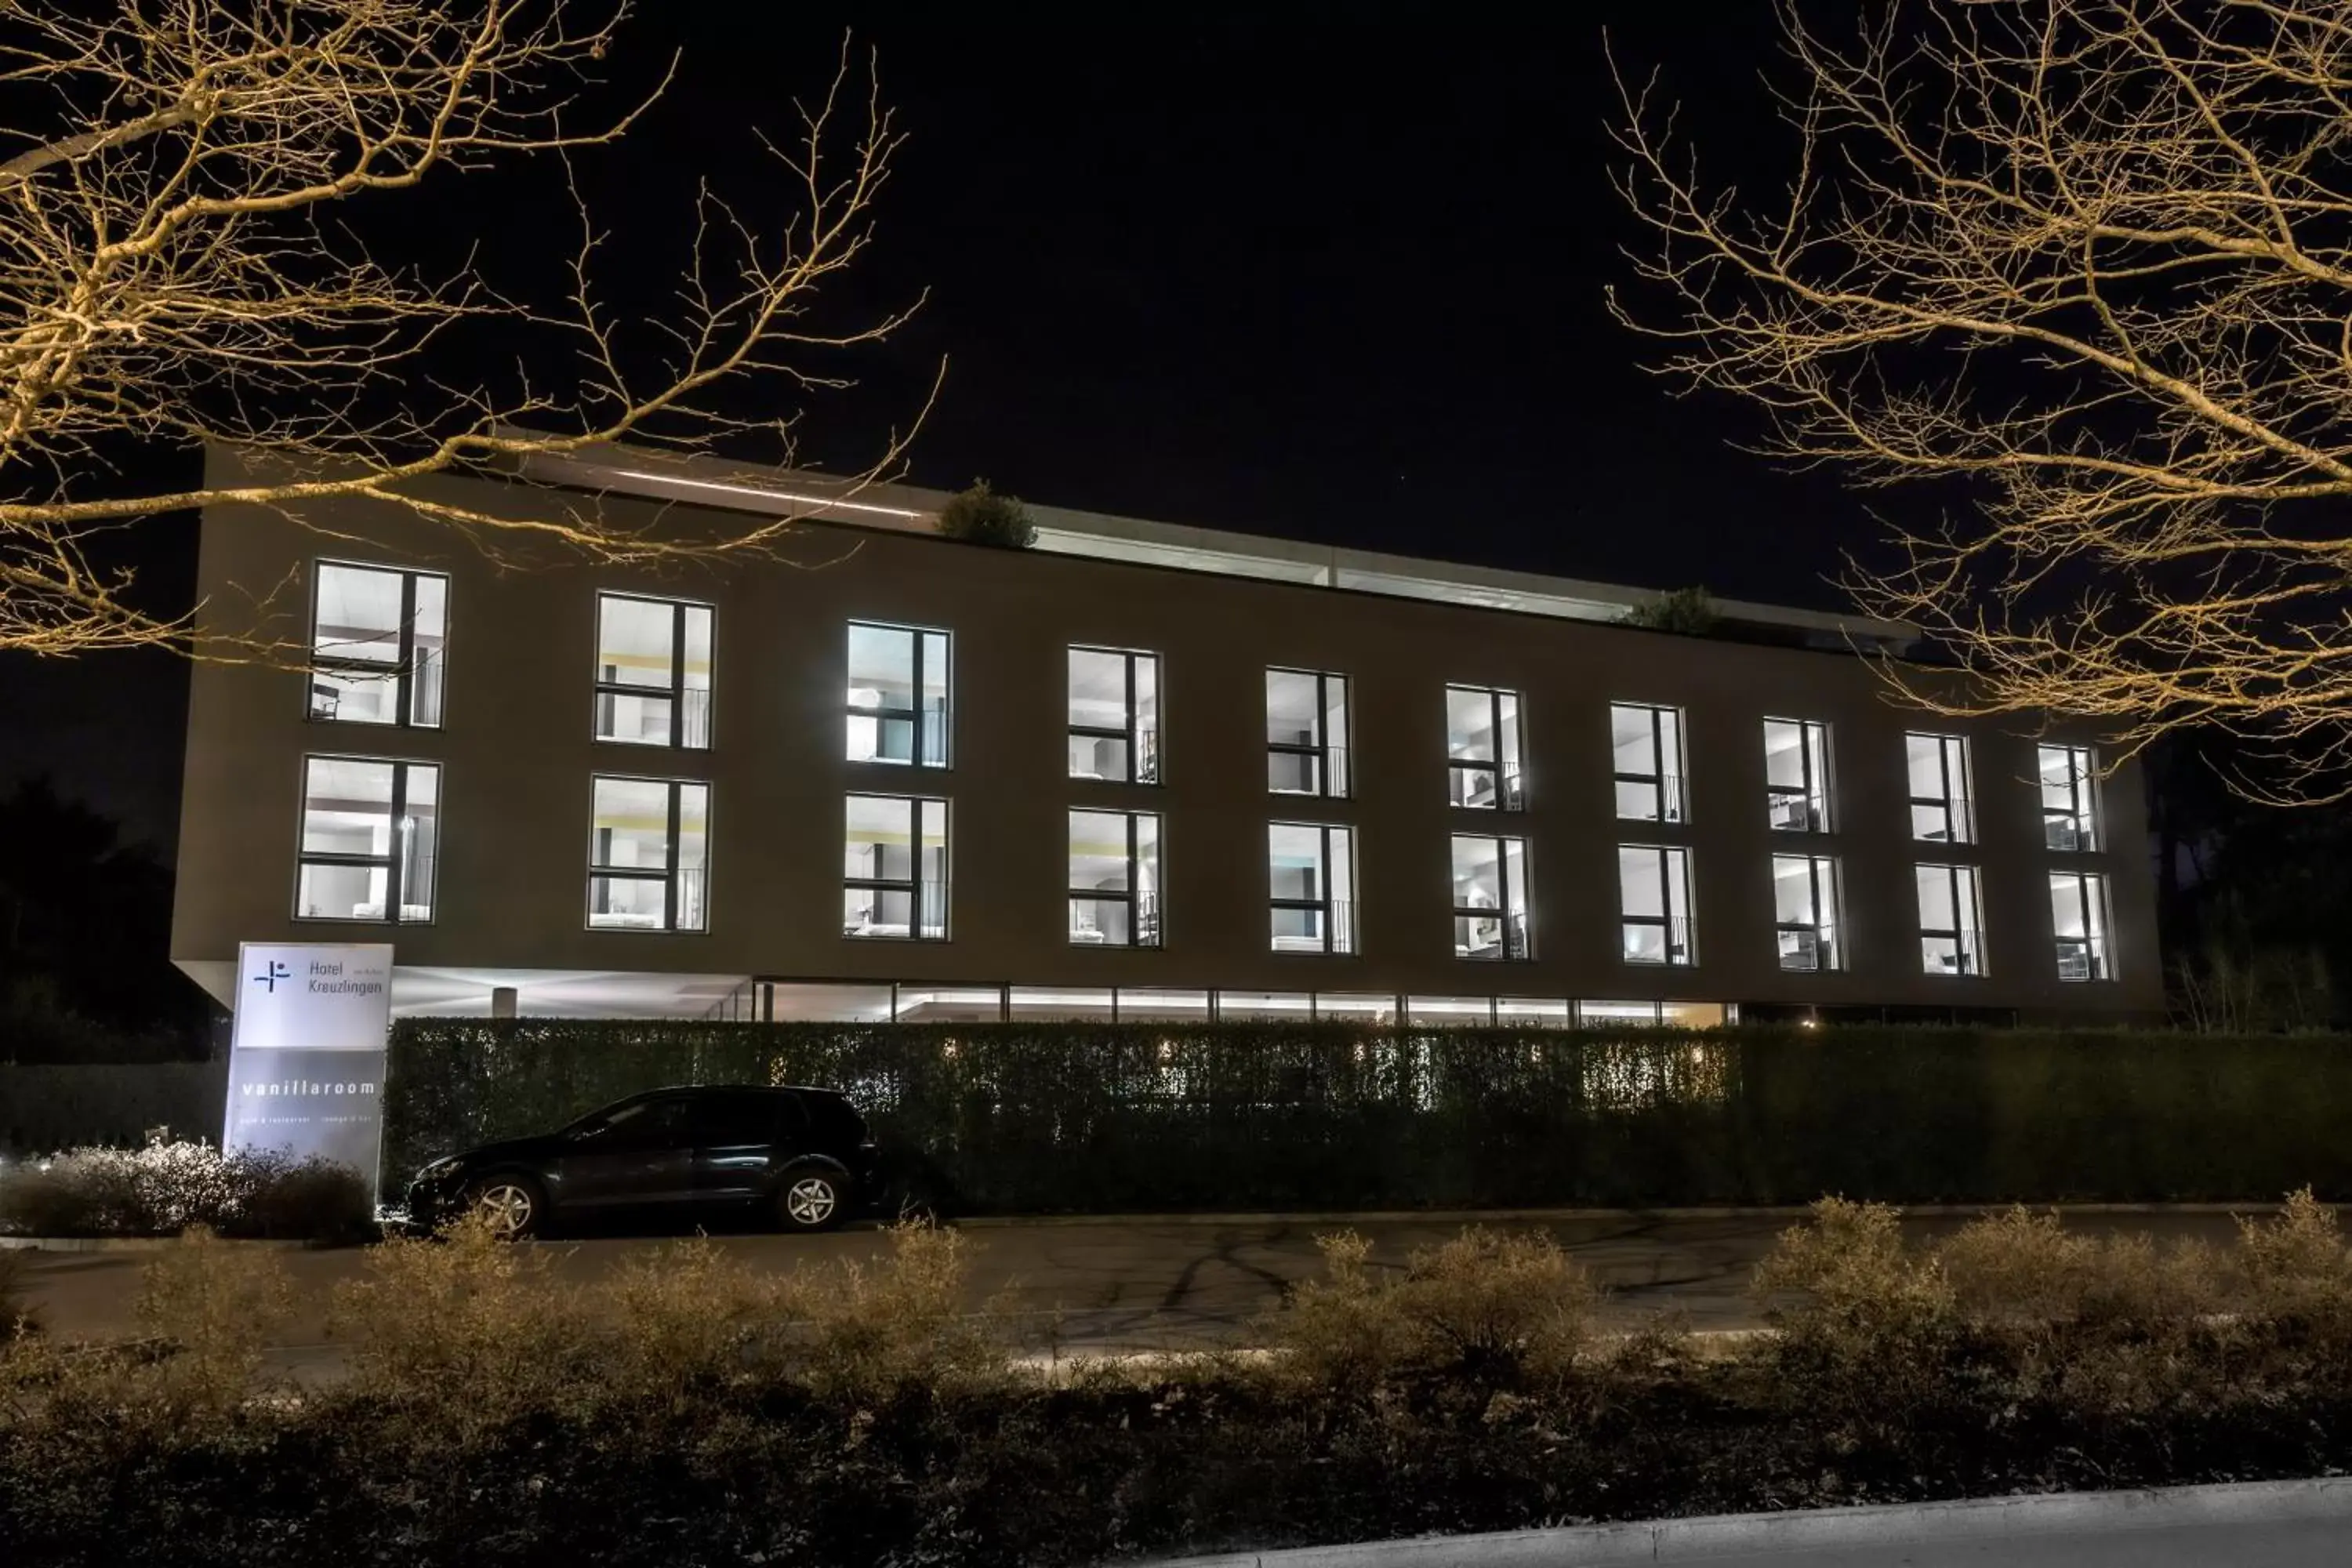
x,y
653,671
648,855
1310,874
1490,898
895,867
1114,885
377,637
743,1118
897,696
2069,819
1938,769
2078,917
369,832
1654,891
1804,911
1306,732
1797,775
1114,729
1950,939
1481,747
1646,756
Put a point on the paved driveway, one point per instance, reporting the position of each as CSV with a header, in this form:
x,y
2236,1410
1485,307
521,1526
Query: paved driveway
x,y
1115,1285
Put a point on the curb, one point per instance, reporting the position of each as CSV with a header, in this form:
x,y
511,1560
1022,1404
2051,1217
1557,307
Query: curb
x,y
1890,1525
1474,1217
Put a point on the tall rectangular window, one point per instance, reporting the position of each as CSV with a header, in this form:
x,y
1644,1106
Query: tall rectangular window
x,y
1482,748
648,855
1654,896
2078,918
2070,817
1805,911
1951,920
1797,775
1646,753
1491,912
1940,804
897,695
895,868
378,637
653,671
1311,885
1307,732
368,832
1114,715
1115,878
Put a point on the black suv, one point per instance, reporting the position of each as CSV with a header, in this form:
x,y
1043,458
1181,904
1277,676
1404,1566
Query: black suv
x,y
801,1154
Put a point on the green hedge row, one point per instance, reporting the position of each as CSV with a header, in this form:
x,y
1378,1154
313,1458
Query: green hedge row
x,y
1117,1118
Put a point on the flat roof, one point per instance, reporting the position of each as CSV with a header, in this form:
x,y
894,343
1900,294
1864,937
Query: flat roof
x,y
703,480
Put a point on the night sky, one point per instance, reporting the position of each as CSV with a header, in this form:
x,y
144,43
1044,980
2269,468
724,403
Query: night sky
x,y
1334,273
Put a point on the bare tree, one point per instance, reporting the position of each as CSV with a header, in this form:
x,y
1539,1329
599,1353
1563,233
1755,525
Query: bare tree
x,y
175,268
2092,260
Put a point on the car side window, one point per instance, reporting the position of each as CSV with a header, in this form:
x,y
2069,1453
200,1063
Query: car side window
x,y
645,1124
741,1118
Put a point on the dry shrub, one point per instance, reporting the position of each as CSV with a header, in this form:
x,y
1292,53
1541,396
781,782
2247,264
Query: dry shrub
x,y
206,1308
687,1317
15,1317
2295,1263
860,1333
168,1186
2020,1268
1866,1329
1493,1307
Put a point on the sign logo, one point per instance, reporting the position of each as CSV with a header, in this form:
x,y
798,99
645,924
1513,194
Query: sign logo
x,y
277,972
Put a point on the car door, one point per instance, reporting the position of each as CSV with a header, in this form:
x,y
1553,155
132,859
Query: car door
x,y
640,1153
741,1141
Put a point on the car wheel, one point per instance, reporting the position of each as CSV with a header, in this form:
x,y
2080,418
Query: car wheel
x,y
512,1206
811,1199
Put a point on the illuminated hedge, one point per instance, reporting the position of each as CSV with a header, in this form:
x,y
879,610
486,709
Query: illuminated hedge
x,y
1121,1118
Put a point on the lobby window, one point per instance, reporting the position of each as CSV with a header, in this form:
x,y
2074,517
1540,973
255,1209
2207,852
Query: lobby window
x,y
1482,748
1311,884
653,671
1114,878
1307,732
1654,896
1490,897
1805,911
897,695
369,834
378,638
1951,920
2078,918
1797,775
895,868
1940,788
648,855
1646,752
1114,715
2070,817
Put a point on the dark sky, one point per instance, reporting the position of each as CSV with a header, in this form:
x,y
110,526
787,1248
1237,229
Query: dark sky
x,y
1333,272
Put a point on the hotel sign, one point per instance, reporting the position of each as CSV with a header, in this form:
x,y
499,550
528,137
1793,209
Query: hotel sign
x,y
307,1058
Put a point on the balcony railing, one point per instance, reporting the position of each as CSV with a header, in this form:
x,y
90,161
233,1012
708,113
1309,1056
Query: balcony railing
x,y
1302,925
2081,958
1952,952
1649,940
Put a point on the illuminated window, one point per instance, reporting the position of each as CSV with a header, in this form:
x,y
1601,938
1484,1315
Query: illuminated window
x,y
1307,732
653,671
1646,753
2078,918
2069,818
897,696
1951,920
378,638
1654,896
1482,748
1114,715
1805,911
648,855
369,832
1311,880
1940,788
895,868
1115,878
1797,775
1490,897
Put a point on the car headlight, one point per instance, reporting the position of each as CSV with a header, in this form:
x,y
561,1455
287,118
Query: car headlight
x,y
441,1169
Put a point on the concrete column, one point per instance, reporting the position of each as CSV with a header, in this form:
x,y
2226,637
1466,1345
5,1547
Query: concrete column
x,y
502,1002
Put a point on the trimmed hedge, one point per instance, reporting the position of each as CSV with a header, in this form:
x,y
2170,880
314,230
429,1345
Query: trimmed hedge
x,y
1122,1118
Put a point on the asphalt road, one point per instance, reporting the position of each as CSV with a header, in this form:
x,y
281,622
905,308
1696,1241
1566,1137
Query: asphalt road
x,y
1112,1286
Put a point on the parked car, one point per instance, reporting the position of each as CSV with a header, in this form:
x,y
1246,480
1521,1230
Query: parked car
x,y
803,1155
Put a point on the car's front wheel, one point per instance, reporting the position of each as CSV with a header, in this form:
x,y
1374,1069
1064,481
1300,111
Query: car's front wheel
x,y
811,1199
512,1207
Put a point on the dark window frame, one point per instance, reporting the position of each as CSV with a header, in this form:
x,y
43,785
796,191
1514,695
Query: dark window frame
x,y
1819,870
1511,789
395,879
911,717
676,692
1143,912
1319,751
1667,783
1519,925
1675,896
913,885
2095,949
670,873
1967,940
1326,906
2082,813
1810,788
1958,801
403,671
1140,761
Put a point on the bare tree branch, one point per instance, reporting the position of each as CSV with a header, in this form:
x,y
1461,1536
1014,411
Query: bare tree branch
x,y
2090,261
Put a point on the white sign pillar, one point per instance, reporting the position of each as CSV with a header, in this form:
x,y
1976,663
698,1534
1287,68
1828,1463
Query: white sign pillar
x,y
306,1059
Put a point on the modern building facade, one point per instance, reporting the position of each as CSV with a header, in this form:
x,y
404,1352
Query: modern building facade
x,y
1141,770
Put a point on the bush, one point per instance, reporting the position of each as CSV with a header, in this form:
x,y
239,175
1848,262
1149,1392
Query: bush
x,y
15,1317
168,1187
980,516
